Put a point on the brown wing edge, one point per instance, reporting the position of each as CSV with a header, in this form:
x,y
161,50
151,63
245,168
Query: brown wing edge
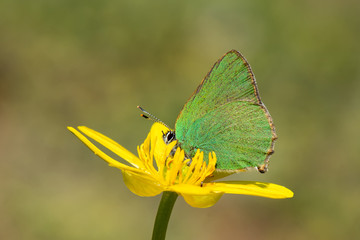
x,y
263,167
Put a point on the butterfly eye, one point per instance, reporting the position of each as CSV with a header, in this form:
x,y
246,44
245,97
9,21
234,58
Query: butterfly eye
x,y
169,137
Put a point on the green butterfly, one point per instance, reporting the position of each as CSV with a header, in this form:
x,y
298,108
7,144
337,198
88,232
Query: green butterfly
x,y
225,115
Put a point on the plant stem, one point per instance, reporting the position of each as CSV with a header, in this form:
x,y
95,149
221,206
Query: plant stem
x,y
163,215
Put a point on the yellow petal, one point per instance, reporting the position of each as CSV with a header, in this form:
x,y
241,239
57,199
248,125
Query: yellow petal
x,y
202,201
261,189
157,131
112,162
112,146
142,184
197,196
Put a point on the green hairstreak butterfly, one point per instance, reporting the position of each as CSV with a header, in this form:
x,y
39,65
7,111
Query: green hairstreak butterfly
x,y
225,115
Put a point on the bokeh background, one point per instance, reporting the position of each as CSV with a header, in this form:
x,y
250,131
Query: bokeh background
x,y
77,62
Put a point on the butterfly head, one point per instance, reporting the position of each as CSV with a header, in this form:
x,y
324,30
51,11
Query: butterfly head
x,y
169,136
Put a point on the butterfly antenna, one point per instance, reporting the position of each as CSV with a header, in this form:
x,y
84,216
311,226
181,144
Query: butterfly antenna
x,y
151,117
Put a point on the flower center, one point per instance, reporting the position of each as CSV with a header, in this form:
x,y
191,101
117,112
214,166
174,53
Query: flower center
x,y
170,169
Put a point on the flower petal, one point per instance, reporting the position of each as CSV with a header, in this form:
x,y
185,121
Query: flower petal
x,y
157,131
112,146
142,184
197,196
261,189
112,162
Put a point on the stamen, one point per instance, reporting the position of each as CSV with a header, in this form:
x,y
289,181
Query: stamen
x,y
173,168
172,171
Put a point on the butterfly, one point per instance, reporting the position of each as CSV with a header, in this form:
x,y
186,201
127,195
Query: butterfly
x,y
226,115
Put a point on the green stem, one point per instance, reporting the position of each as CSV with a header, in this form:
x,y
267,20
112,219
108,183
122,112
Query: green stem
x,y
163,215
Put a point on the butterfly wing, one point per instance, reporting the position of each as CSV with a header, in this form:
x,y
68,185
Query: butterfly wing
x,y
225,115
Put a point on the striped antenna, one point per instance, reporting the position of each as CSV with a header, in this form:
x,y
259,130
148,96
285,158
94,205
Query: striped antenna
x,y
151,117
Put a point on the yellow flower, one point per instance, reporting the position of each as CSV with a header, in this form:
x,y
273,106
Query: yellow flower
x,y
156,170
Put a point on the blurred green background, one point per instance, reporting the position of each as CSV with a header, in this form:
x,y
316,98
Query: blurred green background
x,y
74,62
